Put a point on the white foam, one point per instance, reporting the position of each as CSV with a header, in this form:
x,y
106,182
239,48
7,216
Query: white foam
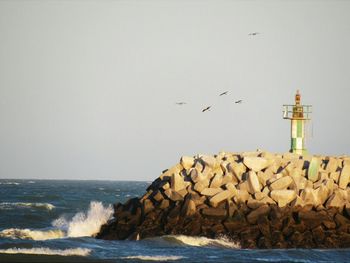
x,y
81,225
155,258
48,251
86,224
7,205
203,241
15,233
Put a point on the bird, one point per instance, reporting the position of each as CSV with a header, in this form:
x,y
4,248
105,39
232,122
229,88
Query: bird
x,y
207,108
224,93
238,101
253,34
181,103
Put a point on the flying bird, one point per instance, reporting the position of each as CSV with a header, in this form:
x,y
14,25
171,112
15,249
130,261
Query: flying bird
x,y
224,93
238,101
207,108
253,34
181,103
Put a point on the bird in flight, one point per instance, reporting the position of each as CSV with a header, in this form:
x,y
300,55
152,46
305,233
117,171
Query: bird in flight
x,y
207,108
253,34
238,101
224,93
180,103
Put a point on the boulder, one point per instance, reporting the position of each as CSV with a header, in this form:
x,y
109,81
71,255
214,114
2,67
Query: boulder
x,y
211,191
216,181
256,164
201,185
314,166
344,177
189,207
209,161
253,216
281,183
218,213
332,165
283,197
237,169
187,162
218,198
177,182
253,182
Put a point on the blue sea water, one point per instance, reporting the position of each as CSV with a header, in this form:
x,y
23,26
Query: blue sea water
x,y
55,221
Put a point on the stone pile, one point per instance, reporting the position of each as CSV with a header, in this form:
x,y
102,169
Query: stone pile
x,y
258,198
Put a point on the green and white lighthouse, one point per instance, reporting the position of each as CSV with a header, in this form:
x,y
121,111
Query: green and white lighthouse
x,y
298,115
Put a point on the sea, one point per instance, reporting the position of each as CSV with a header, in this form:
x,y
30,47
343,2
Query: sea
x,y
56,220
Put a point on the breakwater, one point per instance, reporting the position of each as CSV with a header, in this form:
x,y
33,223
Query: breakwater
x,y
258,199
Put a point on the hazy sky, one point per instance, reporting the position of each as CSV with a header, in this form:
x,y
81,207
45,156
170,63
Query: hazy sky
x,y
88,88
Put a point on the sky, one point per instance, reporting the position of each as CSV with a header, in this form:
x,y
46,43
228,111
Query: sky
x,y
88,88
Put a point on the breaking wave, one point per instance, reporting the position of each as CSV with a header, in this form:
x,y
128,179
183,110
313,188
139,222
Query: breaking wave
x,y
48,251
155,258
16,233
81,225
222,242
7,205
85,224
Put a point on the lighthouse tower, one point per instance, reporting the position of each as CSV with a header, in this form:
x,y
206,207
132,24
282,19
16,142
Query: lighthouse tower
x,y
298,115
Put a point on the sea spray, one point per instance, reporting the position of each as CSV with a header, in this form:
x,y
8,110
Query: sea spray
x,y
86,224
82,224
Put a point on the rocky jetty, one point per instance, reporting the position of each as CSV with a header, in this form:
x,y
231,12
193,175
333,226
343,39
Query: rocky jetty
x,y
259,199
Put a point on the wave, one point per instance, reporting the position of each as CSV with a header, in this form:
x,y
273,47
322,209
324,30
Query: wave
x,y
222,242
85,224
48,251
154,258
7,205
9,183
81,225
15,233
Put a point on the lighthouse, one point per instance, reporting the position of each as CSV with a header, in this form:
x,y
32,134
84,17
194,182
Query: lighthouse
x,y
298,115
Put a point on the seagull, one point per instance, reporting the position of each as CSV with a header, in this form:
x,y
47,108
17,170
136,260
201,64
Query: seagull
x,y
181,103
224,93
207,108
253,34
238,101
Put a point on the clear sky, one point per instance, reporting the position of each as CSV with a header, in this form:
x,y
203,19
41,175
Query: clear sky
x,y
88,88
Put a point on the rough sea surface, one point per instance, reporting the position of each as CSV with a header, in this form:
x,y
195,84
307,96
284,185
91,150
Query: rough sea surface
x,y
55,221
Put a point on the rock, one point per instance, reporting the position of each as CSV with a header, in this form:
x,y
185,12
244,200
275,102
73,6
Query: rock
x,y
173,195
237,169
259,212
256,164
253,182
209,161
344,177
189,207
231,188
216,181
176,169
281,183
211,191
242,196
314,166
217,213
164,204
147,206
334,176
335,200
229,178
187,162
263,177
177,182
216,199
283,197
309,197
332,165
201,185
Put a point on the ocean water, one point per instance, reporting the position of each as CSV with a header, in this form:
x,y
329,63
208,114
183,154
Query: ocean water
x,y
55,221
